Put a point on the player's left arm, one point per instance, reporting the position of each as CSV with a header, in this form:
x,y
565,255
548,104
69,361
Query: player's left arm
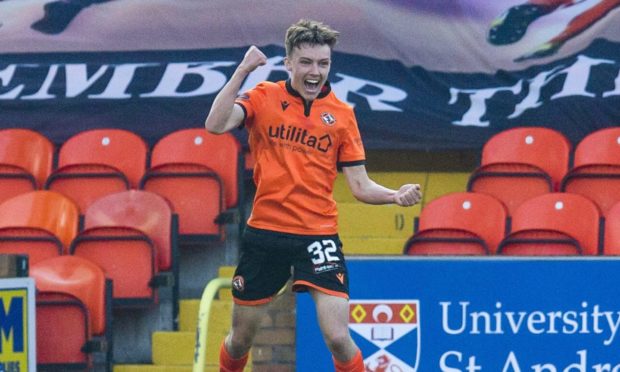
x,y
368,191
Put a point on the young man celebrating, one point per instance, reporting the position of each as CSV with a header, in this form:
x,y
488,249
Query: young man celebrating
x,y
299,132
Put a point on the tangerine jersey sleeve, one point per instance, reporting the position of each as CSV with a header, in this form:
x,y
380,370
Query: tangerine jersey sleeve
x,y
250,101
351,151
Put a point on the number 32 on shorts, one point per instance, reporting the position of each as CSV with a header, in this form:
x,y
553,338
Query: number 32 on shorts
x,y
323,251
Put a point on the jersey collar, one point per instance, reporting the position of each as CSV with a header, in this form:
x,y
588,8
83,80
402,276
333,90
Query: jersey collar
x,y
327,88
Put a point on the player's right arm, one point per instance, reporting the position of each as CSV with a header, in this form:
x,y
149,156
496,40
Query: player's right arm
x,y
225,114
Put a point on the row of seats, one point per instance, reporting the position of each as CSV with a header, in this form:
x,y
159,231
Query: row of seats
x,y
131,235
531,196
550,224
126,251
520,163
200,174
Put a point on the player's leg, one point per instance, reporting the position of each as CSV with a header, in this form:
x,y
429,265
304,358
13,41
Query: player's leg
x,y
263,269
333,316
512,24
319,267
236,346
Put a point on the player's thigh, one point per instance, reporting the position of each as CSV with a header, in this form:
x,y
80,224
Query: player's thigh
x,y
332,313
263,268
320,264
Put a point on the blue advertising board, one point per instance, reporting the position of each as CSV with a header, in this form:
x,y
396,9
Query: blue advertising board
x,y
488,314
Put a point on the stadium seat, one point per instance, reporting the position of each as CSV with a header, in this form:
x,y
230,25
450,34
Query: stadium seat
x,y
554,224
40,224
596,168
98,162
521,163
131,235
611,246
461,223
26,160
73,314
200,174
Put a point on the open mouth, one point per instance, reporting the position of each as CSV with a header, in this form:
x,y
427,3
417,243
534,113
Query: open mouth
x,y
311,84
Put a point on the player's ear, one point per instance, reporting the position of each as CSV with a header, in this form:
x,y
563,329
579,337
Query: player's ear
x,y
287,64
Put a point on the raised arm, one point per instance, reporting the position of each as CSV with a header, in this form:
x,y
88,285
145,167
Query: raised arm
x,y
368,191
224,114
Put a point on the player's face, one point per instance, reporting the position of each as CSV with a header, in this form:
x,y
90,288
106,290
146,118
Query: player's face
x,y
309,66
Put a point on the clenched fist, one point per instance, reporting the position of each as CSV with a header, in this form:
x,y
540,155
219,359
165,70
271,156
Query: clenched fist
x,y
408,195
252,59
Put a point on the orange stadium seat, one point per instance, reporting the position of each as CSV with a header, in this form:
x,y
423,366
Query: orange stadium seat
x,y
131,235
596,168
98,162
611,246
554,224
200,174
73,313
40,224
26,160
461,223
520,163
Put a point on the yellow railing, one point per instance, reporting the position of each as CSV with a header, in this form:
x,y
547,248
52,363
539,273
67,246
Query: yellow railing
x,y
202,328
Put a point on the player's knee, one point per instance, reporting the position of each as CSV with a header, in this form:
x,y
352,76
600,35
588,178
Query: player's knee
x,y
338,342
241,341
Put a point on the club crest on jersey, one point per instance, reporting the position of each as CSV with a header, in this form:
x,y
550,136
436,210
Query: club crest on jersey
x,y
328,119
238,283
387,332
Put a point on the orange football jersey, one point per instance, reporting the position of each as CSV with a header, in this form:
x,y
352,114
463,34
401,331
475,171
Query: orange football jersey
x,y
297,147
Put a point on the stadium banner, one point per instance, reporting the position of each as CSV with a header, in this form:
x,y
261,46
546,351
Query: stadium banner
x,y
17,325
491,314
446,74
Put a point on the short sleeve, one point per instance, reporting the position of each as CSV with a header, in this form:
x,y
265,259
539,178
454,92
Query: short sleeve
x,y
250,101
351,151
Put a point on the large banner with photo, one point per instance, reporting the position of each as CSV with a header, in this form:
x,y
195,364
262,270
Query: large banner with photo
x,y
421,75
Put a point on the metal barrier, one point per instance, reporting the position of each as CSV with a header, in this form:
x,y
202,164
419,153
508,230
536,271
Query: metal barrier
x,y
202,328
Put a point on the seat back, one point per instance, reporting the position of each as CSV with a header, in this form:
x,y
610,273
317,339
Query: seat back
x,y
42,210
126,255
475,214
611,246
541,147
35,243
62,332
26,160
117,148
142,210
599,147
221,153
569,214
76,277
596,169
28,150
